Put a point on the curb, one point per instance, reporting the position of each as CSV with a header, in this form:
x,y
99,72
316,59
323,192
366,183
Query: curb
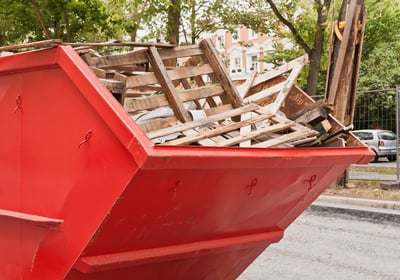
x,y
376,211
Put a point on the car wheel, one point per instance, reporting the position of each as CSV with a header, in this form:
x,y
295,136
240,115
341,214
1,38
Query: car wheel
x,y
376,158
392,157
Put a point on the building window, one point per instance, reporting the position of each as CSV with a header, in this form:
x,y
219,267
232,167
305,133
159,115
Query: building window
x,y
236,35
237,62
220,42
252,34
254,63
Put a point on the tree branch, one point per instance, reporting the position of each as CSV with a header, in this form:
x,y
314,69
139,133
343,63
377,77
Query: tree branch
x,y
40,18
291,27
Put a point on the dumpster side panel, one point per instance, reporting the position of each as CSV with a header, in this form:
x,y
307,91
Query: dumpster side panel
x,y
10,131
219,205
62,168
201,267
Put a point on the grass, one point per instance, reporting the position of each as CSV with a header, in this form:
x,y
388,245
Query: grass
x,y
375,169
364,189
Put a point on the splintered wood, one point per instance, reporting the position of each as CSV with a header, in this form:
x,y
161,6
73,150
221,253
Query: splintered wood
x,y
183,96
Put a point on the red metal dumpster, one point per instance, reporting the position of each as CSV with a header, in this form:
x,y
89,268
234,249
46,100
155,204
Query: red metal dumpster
x,y
84,194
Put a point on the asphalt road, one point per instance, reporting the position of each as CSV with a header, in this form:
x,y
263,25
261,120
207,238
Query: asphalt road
x,y
323,247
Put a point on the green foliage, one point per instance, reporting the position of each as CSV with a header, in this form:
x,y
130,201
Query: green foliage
x,y
69,20
381,68
14,27
380,65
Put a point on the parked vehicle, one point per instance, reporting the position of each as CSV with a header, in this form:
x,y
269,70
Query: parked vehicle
x,y
382,142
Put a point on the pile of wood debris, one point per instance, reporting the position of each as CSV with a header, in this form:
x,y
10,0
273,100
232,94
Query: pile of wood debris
x,y
184,96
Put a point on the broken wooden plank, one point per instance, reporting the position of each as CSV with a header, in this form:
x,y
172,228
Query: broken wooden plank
x,y
201,122
190,71
265,93
146,103
275,106
120,44
113,86
269,75
147,78
245,129
292,136
129,58
244,88
220,129
200,92
256,133
31,45
203,142
180,52
158,124
313,116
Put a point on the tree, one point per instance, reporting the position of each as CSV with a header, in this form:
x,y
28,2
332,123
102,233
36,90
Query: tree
x,y
15,21
69,20
380,65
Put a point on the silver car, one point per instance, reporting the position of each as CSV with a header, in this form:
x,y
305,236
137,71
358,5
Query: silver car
x,y
382,142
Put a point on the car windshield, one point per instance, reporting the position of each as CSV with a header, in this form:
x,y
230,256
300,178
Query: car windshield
x,y
387,135
364,135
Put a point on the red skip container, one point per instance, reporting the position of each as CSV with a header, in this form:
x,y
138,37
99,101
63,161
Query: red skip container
x,y
84,194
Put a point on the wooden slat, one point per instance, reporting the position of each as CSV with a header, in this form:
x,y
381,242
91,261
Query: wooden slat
x,y
219,130
245,129
119,77
180,52
189,71
38,44
201,92
262,78
147,78
129,58
158,124
113,86
256,133
180,73
100,73
265,93
146,103
292,136
168,87
203,142
218,109
201,122
244,88
120,44
155,101
219,69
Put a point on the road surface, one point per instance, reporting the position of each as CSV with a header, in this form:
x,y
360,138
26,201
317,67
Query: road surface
x,y
322,247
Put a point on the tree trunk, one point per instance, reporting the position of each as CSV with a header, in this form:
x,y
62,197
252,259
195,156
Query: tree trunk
x,y
174,17
67,27
313,72
315,53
